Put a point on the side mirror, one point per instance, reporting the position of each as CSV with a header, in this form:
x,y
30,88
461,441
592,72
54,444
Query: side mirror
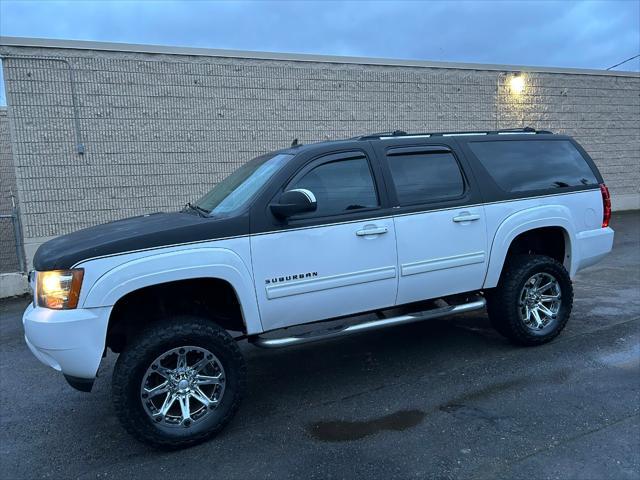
x,y
293,202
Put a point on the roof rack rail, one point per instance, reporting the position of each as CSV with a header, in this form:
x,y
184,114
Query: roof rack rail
x,y
395,133
400,133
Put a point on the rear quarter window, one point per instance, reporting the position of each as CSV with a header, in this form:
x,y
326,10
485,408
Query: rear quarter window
x,y
519,166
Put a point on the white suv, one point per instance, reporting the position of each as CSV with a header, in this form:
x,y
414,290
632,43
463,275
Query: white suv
x,y
402,227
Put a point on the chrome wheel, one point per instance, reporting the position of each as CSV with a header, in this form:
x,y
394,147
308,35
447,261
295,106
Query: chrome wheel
x,y
182,386
540,301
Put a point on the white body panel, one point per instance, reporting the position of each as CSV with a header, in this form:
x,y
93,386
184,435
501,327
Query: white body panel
x,y
349,272
110,278
355,272
440,256
577,213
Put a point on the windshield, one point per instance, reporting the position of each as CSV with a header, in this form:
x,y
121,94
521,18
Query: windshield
x,y
235,190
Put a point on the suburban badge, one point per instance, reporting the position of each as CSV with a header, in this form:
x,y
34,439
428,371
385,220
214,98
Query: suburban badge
x,y
288,278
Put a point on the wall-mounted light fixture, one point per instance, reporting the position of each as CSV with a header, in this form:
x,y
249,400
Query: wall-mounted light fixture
x,y
517,83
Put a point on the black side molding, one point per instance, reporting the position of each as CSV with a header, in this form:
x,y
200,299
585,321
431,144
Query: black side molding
x,y
82,384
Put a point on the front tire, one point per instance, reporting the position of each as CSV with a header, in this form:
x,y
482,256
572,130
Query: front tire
x,y
532,302
178,382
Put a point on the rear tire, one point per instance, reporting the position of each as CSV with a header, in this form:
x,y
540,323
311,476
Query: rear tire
x,y
195,366
533,300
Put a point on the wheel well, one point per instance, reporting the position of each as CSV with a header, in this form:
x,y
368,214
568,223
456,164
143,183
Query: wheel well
x,y
210,298
550,241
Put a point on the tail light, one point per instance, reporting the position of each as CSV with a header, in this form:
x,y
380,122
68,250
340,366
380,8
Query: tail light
x,y
606,205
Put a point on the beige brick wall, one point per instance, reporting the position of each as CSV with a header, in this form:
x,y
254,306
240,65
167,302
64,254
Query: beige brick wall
x,y
161,129
9,261
7,171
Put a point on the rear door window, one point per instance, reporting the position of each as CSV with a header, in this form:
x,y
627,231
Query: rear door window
x,y
523,165
424,177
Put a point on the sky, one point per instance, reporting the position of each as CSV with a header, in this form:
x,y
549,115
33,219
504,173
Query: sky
x,y
580,34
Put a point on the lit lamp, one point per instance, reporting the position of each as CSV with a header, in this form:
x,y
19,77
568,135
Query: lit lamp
x,y
517,84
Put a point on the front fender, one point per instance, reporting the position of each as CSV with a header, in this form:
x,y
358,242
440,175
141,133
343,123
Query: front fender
x,y
184,264
523,221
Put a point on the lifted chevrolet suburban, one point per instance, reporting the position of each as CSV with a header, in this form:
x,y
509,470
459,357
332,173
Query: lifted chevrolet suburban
x,y
367,233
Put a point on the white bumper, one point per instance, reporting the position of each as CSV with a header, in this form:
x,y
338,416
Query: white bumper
x,y
70,341
592,246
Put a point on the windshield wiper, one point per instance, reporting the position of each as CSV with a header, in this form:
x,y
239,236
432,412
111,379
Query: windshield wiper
x,y
203,212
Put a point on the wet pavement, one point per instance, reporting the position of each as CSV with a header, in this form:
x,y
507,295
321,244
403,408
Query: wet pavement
x,y
446,398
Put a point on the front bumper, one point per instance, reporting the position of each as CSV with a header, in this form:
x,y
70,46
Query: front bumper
x,y
70,341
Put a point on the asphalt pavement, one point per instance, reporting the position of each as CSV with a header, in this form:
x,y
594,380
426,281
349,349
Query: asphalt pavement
x,y
446,398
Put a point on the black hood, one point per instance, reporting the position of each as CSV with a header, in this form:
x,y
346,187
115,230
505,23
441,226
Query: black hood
x,y
135,233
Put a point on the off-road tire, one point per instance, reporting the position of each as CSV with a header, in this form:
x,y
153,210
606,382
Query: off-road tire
x,y
503,301
151,342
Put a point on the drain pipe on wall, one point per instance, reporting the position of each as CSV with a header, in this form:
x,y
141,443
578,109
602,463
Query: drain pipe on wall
x,y
80,148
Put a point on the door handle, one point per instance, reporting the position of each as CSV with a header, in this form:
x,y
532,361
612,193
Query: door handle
x,y
466,218
372,231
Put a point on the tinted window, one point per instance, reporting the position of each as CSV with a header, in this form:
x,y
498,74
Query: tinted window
x,y
425,177
340,186
518,166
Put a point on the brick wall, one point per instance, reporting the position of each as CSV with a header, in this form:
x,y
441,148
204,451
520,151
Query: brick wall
x,y
8,254
160,129
7,173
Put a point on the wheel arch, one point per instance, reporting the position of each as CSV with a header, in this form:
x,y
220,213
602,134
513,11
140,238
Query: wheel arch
x,y
172,267
525,222
209,298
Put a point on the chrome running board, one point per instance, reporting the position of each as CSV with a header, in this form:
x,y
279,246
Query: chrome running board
x,y
315,336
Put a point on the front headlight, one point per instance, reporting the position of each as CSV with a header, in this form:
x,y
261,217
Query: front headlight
x,y
59,289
